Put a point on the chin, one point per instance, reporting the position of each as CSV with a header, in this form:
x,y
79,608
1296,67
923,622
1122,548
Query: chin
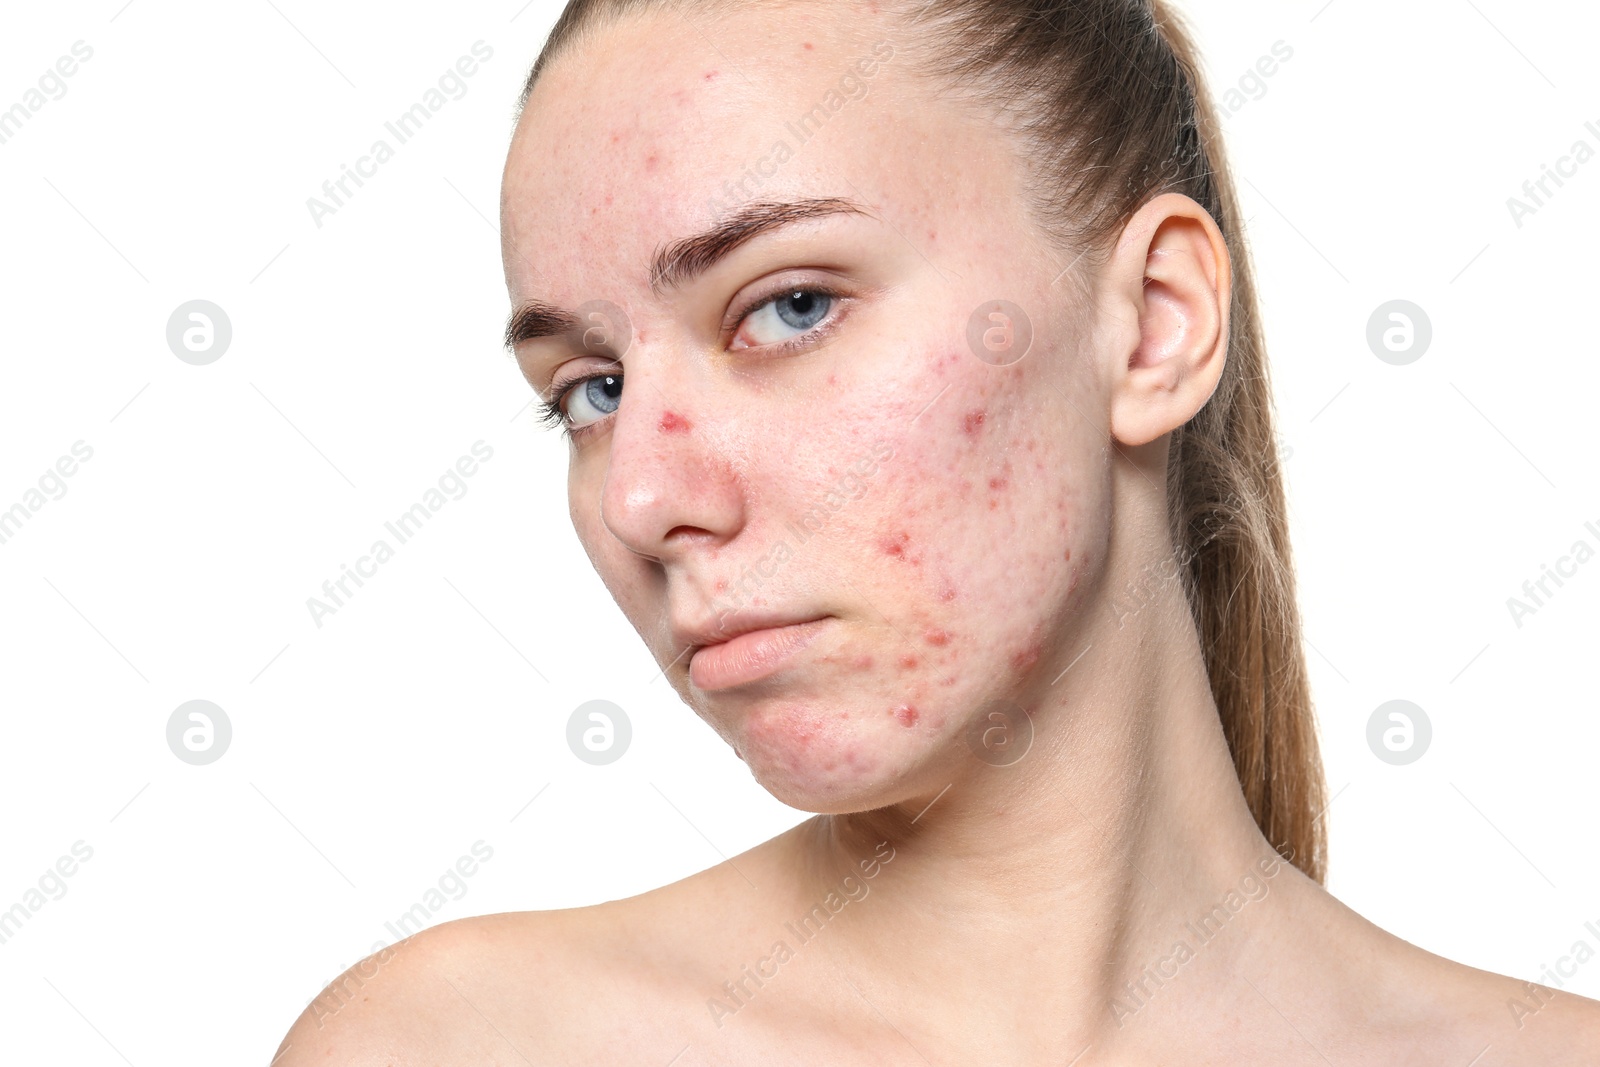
x,y
824,759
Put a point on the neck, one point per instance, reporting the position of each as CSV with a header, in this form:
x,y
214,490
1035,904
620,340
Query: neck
x,y
1066,885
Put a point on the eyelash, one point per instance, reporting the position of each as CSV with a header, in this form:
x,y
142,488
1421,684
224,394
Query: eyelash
x,y
552,415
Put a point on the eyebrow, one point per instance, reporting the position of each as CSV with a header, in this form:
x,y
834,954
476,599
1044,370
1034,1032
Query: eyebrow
x,y
682,261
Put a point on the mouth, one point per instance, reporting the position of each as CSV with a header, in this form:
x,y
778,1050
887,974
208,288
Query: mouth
x,y
751,656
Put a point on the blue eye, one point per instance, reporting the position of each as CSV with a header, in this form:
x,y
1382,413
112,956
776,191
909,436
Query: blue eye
x,y
584,401
787,315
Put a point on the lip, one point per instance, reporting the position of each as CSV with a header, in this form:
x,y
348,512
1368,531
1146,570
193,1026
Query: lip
x,y
751,656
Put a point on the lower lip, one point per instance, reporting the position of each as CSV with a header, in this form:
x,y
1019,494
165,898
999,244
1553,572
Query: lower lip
x,y
749,657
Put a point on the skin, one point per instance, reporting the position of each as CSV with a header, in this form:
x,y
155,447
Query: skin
x,y
994,555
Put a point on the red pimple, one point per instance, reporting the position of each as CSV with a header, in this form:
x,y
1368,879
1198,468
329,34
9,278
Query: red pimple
x,y
895,546
936,636
998,484
721,585
908,662
809,46
863,662
1068,555
651,161
973,422
1026,658
906,714
710,74
947,593
672,422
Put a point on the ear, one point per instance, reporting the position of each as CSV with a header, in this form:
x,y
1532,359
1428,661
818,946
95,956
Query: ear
x,y
1171,274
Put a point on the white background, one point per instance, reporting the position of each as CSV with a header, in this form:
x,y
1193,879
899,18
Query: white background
x,y
369,754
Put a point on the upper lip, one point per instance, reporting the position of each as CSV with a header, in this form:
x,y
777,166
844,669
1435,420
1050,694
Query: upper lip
x,y
714,632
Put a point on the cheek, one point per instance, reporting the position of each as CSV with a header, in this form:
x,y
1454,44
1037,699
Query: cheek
x,y
977,536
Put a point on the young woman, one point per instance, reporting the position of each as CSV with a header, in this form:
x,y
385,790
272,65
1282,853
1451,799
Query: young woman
x,y
944,489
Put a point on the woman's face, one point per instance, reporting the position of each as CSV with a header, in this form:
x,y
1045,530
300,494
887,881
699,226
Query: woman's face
x,y
941,503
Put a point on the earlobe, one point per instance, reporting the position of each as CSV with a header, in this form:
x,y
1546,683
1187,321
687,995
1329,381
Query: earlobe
x,y
1176,280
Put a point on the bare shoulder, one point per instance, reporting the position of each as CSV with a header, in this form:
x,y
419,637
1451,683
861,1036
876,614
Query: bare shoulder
x,y
1500,1020
486,990
608,981
1530,1025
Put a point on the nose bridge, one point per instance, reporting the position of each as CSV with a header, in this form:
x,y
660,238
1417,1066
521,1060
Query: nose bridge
x,y
665,468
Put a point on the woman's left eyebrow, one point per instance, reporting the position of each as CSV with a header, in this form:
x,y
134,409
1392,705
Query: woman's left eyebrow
x,y
682,261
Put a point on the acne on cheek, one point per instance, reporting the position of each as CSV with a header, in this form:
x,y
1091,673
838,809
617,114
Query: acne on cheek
x,y
905,714
999,484
895,546
1030,650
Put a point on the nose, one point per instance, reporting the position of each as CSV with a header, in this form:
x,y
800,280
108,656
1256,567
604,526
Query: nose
x,y
674,476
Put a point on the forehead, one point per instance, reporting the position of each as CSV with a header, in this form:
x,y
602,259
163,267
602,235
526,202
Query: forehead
x,y
647,131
